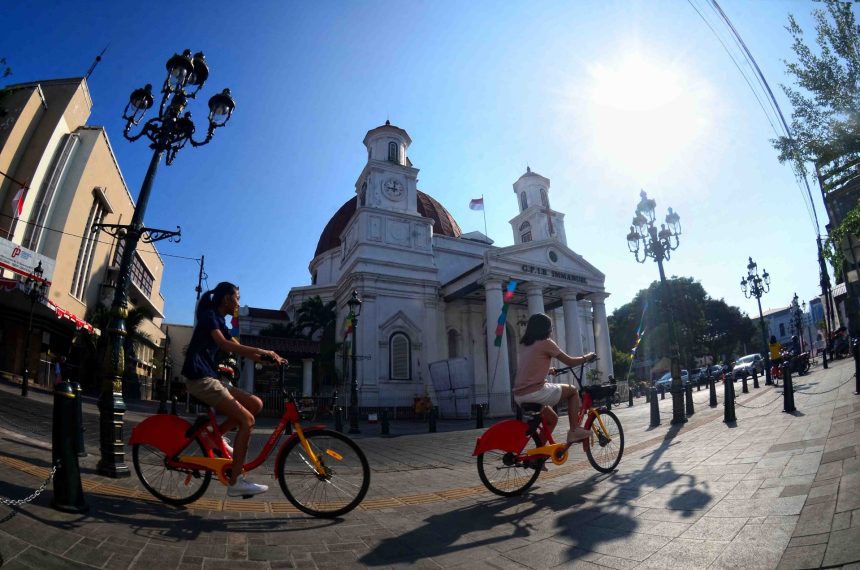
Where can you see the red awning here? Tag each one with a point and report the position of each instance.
(8, 285)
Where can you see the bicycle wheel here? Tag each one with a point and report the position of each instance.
(173, 486)
(604, 449)
(338, 489)
(504, 474)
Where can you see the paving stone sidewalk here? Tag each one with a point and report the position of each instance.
(773, 490)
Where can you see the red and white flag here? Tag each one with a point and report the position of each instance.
(477, 203)
(18, 202)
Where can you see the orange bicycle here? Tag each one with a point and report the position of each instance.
(512, 453)
(321, 472)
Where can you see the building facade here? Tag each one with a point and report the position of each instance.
(72, 182)
(432, 296)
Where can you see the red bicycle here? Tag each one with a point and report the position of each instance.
(321, 472)
(512, 453)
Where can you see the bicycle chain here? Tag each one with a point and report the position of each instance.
(32, 496)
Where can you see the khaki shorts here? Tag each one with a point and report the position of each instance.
(549, 395)
(210, 391)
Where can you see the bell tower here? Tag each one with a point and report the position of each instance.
(536, 220)
(388, 180)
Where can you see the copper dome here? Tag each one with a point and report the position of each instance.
(443, 222)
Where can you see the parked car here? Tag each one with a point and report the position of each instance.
(716, 371)
(697, 375)
(744, 366)
(666, 379)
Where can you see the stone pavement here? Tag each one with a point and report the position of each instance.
(773, 490)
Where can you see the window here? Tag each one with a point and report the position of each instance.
(781, 329)
(362, 195)
(140, 275)
(399, 357)
(392, 152)
(84, 264)
(527, 237)
(524, 203)
(525, 231)
(543, 198)
(453, 343)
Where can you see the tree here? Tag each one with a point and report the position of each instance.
(282, 330)
(318, 321)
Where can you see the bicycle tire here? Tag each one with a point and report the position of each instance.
(524, 475)
(347, 474)
(150, 463)
(609, 451)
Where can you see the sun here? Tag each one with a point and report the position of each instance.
(645, 115)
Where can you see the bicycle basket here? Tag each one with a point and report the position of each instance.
(601, 392)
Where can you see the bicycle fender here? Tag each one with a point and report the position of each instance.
(164, 431)
(283, 448)
(509, 435)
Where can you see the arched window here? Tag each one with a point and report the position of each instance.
(453, 344)
(399, 357)
(392, 152)
(525, 232)
(543, 198)
(524, 203)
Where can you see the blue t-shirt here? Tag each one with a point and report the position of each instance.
(200, 356)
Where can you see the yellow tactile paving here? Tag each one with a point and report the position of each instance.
(246, 506)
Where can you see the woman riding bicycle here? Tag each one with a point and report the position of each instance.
(211, 335)
(531, 386)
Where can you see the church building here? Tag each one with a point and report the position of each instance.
(433, 295)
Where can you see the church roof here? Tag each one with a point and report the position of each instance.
(443, 222)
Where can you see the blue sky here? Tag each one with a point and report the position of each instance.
(602, 97)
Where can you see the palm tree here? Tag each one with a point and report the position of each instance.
(312, 317)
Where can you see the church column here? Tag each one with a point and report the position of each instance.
(601, 337)
(476, 346)
(534, 291)
(498, 374)
(429, 345)
(307, 376)
(572, 332)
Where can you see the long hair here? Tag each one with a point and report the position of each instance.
(538, 328)
(212, 299)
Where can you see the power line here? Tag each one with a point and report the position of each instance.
(50, 229)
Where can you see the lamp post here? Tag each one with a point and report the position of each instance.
(658, 245)
(808, 324)
(797, 320)
(168, 132)
(35, 287)
(354, 304)
(754, 285)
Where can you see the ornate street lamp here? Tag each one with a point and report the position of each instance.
(36, 288)
(658, 245)
(168, 132)
(754, 285)
(807, 321)
(354, 304)
(797, 320)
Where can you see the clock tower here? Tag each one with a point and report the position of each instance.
(536, 220)
(388, 180)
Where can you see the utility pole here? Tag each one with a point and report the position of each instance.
(200, 275)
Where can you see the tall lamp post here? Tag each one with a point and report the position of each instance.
(170, 131)
(36, 288)
(354, 304)
(797, 320)
(807, 321)
(754, 285)
(658, 245)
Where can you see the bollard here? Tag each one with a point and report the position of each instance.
(689, 399)
(698, 386)
(788, 389)
(479, 414)
(824, 357)
(79, 417)
(385, 426)
(655, 410)
(432, 420)
(647, 396)
(68, 492)
(662, 392)
(629, 396)
(729, 401)
(755, 377)
(855, 345)
(338, 419)
(173, 405)
(713, 390)
(745, 389)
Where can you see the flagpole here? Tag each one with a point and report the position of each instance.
(484, 210)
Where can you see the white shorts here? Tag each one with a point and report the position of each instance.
(549, 395)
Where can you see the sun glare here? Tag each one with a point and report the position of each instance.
(644, 114)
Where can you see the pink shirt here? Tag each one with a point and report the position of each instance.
(534, 361)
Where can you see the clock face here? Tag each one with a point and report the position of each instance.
(393, 189)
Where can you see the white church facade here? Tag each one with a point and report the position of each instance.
(431, 293)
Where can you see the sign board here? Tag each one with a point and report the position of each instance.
(23, 261)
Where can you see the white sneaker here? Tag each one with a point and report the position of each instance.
(245, 488)
(227, 445)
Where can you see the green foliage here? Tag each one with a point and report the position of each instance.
(621, 362)
(704, 326)
(282, 330)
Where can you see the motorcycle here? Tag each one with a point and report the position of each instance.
(799, 364)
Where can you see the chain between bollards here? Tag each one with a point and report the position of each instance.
(32, 496)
